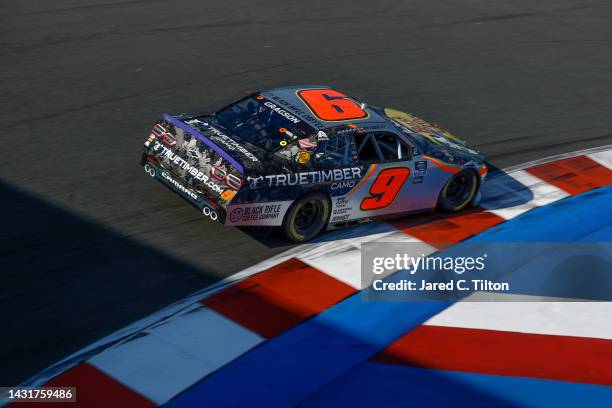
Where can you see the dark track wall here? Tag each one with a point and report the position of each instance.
(83, 81)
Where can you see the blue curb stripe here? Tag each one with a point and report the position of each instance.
(381, 385)
(289, 368)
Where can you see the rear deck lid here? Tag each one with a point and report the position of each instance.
(200, 156)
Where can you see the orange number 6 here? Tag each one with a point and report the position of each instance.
(331, 105)
(385, 188)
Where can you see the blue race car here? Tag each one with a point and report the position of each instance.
(309, 157)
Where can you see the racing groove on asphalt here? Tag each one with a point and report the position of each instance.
(90, 243)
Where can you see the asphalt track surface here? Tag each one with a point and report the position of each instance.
(89, 243)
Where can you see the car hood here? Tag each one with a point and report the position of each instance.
(434, 140)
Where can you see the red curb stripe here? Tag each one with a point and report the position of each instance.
(93, 389)
(574, 175)
(564, 358)
(449, 229)
(277, 299)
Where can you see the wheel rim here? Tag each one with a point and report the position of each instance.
(307, 215)
(459, 189)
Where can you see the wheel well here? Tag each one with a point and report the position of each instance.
(478, 180)
(318, 190)
(476, 175)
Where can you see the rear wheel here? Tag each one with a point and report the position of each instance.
(459, 191)
(307, 217)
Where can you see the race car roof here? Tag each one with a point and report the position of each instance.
(323, 107)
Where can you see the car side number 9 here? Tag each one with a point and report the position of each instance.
(385, 188)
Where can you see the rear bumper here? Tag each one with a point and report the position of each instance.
(208, 207)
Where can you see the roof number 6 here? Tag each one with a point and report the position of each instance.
(330, 105)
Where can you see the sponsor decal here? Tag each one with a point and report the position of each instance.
(419, 125)
(420, 171)
(236, 214)
(342, 210)
(322, 136)
(342, 202)
(352, 128)
(341, 218)
(255, 213)
(302, 157)
(309, 177)
(225, 140)
(183, 164)
(255, 182)
(299, 111)
(343, 184)
(179, 186)
(282, 112)
(349, 130)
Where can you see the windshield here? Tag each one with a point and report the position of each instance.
(263, 123)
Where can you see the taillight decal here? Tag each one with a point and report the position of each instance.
(169, 139)
(158, 130)
(218, 173)
(233, 182)
(228, 195)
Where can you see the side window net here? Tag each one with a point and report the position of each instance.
(335, 151)
(392, 147)
(367, 149)
(381, 147)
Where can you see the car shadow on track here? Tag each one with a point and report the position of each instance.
(66, 282)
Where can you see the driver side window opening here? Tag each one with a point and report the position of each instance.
(381, 147)
(335, 151)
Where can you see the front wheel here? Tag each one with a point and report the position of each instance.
(459, 191)
(307, 217)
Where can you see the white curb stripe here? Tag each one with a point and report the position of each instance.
(342, 259)
(511, 199)
(603, 158)
(578, 319)
(175, 354)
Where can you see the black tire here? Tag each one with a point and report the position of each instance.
(458, 192)
(307, 217)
